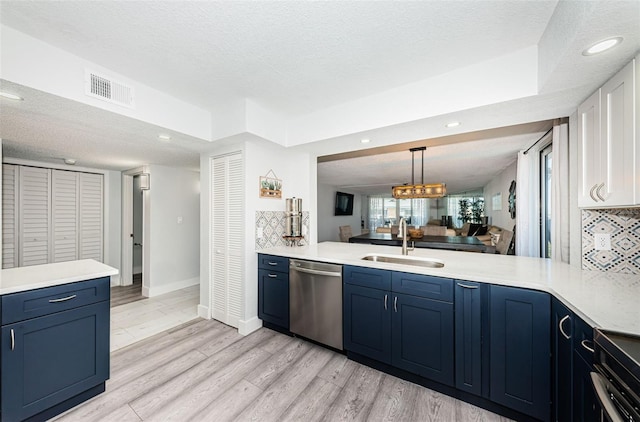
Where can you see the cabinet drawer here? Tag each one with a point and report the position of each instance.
(34, 303)
(437, 288)
(273, 263)
(367, 277)
(583, 339)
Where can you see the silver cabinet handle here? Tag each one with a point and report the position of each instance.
(598, 192)
(385, 302)
(591, 193)
(272, 263)
(395, 304)
(13, 340)
(566, 317)
(272, 275)
(466, 286)
(64, 299)
(584, 344)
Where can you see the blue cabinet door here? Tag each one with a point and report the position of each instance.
(585, 404)
(520, 368)
(422, 337)
(468, 341)
(367, 322)
(561, 344)
(273, 297)
(584, 399)
(49, 359)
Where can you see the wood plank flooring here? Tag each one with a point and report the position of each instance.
(121, 295)
(205, 371)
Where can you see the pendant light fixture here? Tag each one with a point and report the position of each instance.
(432, 190)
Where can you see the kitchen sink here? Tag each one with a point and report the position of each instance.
(405, 260)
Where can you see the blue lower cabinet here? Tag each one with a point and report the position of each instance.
(50, 359)
(273, 297)
(468, 336)
(520, 369)
(422, 337)
(585, 403)
(562, 372)
(367, 322)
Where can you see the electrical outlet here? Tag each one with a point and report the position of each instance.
(179, 220)
(260, 232)
(603, 241)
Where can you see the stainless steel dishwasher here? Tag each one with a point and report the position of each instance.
(315, 299)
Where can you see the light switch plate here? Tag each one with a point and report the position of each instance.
(260, 232)
(602, 241)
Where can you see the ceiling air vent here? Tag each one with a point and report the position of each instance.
(107, 89)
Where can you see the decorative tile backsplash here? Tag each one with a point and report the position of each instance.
(272, 224)
(624, 227)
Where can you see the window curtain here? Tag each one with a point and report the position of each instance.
(560, 192)
(528, 202)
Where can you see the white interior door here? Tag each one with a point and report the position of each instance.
(9, 216)
(65, 203)
(227, 238)
(35, 216)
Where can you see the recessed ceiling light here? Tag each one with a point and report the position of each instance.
(452, 124)
(70, 161)
(365, 141)
(164, 137)
(601, 46)
(10, 96)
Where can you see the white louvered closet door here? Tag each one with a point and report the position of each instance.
(35, 216)
(227, 238)
(91, 223)
(9, 216)
(65, 203)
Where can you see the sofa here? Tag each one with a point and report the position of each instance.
(489, 235)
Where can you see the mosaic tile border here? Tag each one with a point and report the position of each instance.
(272, 224)
(624, 227)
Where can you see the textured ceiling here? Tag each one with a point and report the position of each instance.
(296, 57)
(292, 56)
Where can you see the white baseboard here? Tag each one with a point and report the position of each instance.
(168, 288)
(249, 326)
(203, 312)
(115, 280)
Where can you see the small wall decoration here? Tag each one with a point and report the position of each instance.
(496, 202)
(512, 199)
(270, 186)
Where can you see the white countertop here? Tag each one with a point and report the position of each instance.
(19, 279)
(607, 300)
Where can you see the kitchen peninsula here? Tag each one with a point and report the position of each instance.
(54, 350)
(480, 328)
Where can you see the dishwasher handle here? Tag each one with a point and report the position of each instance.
(318, 272)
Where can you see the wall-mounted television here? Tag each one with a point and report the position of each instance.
(344, 203)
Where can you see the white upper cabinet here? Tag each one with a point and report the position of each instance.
(608, 150)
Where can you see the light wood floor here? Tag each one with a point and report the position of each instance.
(205, 371)
(121, 295)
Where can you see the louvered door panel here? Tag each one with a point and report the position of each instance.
(235, 237)
(227, 234)
(91, 224)
(219, 238)
(9, 215)
(65, 202)
(35, 216)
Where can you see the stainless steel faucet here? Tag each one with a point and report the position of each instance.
(403, 232)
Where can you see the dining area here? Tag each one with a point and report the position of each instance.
(434, 237)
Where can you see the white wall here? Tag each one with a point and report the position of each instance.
(500, 184)
(296, 171)
(174, 257)
(328, 223)
(58, 72)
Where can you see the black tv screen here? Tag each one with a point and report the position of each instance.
(344, 203)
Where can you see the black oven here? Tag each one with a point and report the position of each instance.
(617, 377)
